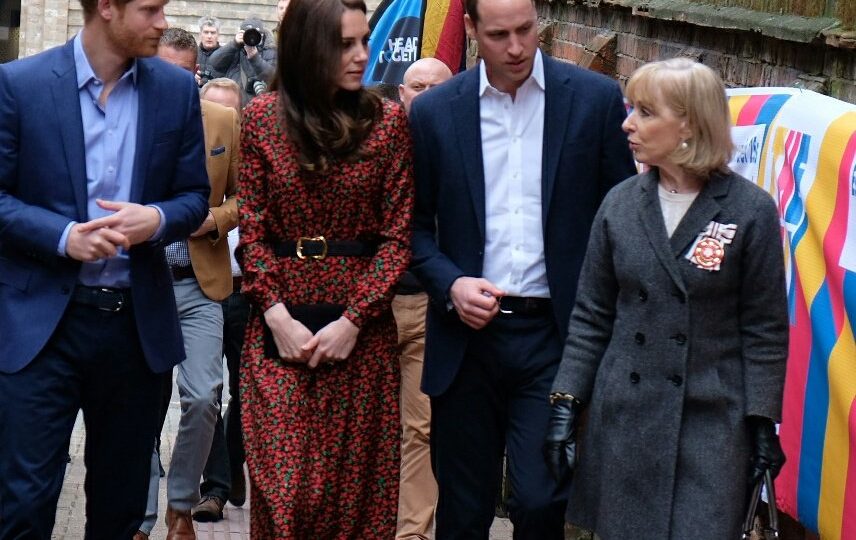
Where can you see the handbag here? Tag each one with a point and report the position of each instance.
(313, 316)
(771, 530)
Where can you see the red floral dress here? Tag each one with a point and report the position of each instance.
(323, 445)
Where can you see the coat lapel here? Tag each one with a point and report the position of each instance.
(67, 102)
(558, 95)
(703, 210)
(651, 215)
(467, 121)
(147, 113)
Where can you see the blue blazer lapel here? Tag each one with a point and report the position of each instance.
(558, 95)
(147, 89)
(467, 121)
(67, 102)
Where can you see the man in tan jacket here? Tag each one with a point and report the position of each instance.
(202, 277)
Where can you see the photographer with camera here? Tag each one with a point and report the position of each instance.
(249, 59)
(209, 41)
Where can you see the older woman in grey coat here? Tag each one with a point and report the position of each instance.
(678, 339)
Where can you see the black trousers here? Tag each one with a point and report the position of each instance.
(94, 362)
(498, 402)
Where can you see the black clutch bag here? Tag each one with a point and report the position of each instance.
(312, 316)
(771, 530)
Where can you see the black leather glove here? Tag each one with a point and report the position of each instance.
(766, 449)
(560, 446)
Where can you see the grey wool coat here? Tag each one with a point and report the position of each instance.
(670, 358)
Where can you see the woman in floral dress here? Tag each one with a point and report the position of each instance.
(325, 204)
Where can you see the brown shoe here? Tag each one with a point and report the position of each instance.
(209, 509)
(140, 535)
(179, 525)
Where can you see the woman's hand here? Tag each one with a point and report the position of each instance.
(290, 336)
(333, 343)
(560, 445)
(767, 452)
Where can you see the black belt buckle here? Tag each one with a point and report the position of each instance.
(523, 305)
(120, 303)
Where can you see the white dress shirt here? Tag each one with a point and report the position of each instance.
(512, 136)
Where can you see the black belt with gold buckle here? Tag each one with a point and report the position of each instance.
(103, 298)
(318, 247)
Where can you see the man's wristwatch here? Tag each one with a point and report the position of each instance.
(561, 396)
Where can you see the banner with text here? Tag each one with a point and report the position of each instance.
(800, 146)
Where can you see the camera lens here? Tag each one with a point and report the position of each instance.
(252, 37)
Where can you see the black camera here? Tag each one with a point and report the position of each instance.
(256, 87)
(205, 76)
(252, 37)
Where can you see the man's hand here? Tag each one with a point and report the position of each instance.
(207, 226)
(136, 222)
(239, 38)
(90, 246)
(251, 51)
(290, 336)
(333, 343)
(476, 300)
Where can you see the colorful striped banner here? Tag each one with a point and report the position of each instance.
(808, 162)
(402, 31)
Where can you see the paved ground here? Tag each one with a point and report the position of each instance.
(235, 526)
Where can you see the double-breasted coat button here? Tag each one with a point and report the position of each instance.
(677, 380)
(643, 295)
(639, 338)
(680, 339)
(634, 377)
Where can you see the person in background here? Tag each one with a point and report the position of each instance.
(418, 488)
(325, 202)
(512, 160)
(281, 6)
(678, 338)
(201, 279)
(223, 91)
(209, 41)
(96, 176)
(223, 477)
(250, 66)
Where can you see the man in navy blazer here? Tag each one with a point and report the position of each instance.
(512, 159)
(102, 163)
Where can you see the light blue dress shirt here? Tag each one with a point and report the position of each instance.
(110, 139)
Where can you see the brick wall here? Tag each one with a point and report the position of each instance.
(614, 40)
(47, 23)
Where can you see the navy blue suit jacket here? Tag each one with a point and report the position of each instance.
(585, 154)
(43, 187)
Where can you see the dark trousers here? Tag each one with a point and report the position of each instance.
(94, 362)
(226, 459)
(498, 402)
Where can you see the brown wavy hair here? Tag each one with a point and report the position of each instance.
(325, 122)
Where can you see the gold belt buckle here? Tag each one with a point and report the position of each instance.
(302, 239)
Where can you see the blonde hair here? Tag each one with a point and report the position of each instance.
(220, 82)
(695, 94)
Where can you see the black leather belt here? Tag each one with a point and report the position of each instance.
(182, 272)
(103, 298)
(318, 247)
(525, 305)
